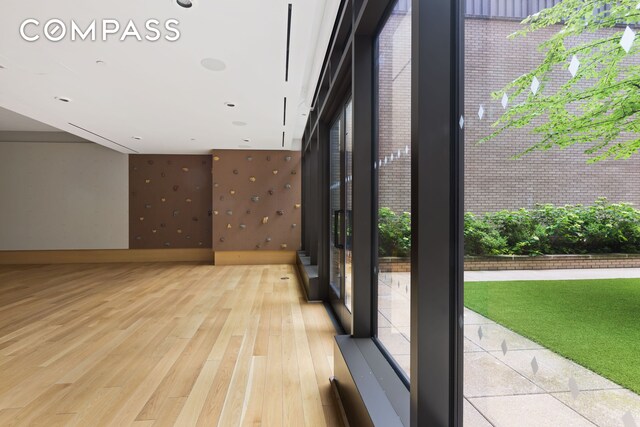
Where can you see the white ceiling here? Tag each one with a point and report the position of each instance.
(14, 122)
(159, 91)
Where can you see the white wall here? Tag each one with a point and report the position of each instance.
(63, 196)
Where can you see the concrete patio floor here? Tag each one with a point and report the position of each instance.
(568, 274)
(508, 379)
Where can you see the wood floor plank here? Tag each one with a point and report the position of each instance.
(235, 399)
(196, 400)
(252, 411)
(162, 345)
(272, 414)
(128, 412)
(215, 399)
(292, 390)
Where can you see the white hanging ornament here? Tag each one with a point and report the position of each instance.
(535, 85)
(505, 101)
(627, 39)
(574, 65)
(481, 112)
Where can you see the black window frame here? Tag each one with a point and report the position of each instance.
(435, 392)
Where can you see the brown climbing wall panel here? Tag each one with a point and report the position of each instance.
(169, 201)
(256, 199)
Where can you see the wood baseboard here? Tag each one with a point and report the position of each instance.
(105, 256)
(254, 257)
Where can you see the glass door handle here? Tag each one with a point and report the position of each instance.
(348, 220)
(336, 233)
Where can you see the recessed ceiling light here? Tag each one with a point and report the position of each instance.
(185, 3)
(230, 104)
(137, 138)
(2, 67)
(246, 140)
(62, 99)
(100, 62)
(213, 64)
(240, 123)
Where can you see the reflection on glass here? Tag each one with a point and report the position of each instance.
(393, 171)
(543, 348)
(348, 186)
(335, 201)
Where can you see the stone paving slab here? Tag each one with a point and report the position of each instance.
(473, 418)
(619, 407)
(538, 410)
(493, 337)
(486, 376)
(553, 372)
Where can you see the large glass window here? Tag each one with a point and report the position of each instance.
(551, 326)
(393, 172)
(336, 266)
(348, 190)
(341, 207)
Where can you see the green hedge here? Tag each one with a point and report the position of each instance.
(547, 229)
(394, 236)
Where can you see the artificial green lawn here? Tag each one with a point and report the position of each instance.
(595, 323)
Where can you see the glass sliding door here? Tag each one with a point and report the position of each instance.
(561, 346)
(392, 79)
(336, 245)
(340, 217)
(348, 189)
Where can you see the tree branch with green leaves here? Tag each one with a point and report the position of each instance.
(598, 105)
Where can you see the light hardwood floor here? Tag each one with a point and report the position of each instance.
(161, 345)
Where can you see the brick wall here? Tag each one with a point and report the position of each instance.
(547, 262)
(493, 180)
(394, 112)
(553, 262)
